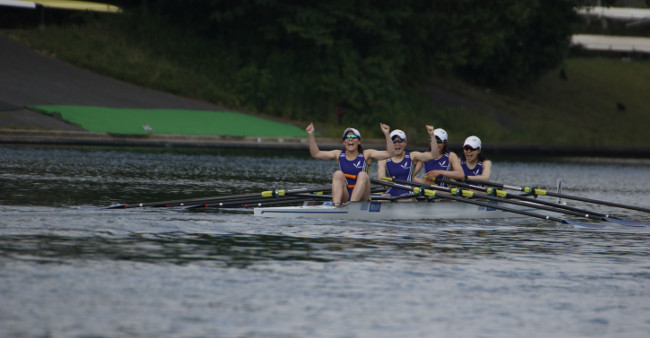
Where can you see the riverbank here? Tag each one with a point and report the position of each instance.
(82, 138)
(72, 101)
(34, 79)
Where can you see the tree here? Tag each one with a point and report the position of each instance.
(305, 58)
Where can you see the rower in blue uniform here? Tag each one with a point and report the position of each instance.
(404, 165)
(475, 165)
(351, 169)
(445, 164)
(351, 182)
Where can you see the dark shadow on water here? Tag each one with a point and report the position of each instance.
(243, 250)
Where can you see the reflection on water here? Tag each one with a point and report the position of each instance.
(69, 268)
(54, 176)
(242, 250)
(89, 176)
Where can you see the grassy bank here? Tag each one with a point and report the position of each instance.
(602, 101)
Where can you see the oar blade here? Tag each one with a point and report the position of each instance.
(625, 221)
(583, 225)
(116, 206)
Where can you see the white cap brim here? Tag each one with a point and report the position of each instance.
(399, 133)
(441, 134)
(356, 132)
(473, 142)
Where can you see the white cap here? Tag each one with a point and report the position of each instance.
(441, 134)
(473, 142)
(398, 132)
(356, 132)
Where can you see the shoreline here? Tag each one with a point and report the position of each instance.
(84, 138)
(34, 79)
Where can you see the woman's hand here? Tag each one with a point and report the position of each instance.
(385, 128)
(430, 129)
(310, 129)
(431, 175)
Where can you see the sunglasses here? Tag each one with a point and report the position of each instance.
(350, 136)
(468, 148)
(439, 141)
(399, 141)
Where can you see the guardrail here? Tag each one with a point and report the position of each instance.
(612, 43)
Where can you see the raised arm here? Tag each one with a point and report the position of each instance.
(390, 146)
(422, 157)
(315, 151)
(433, 144)
(456, 172)
(382, 154)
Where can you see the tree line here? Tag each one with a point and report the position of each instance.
(306, 59)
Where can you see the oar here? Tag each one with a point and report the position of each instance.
(277, 195)
(415, 187)
(288, 200)
(217, 199)
(565, 208)
(542, 192)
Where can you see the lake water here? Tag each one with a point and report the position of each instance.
(69, 268)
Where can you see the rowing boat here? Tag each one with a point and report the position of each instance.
(447, 203)
(374, 210)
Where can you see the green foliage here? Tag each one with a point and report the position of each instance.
(500, 43)
(306, 59)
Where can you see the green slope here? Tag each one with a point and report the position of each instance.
(169, 121)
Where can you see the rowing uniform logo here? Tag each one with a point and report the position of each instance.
(440, 164)
(477, 171)
(353, 168)
(402, 170)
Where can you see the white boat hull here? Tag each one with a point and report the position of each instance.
(392, 210)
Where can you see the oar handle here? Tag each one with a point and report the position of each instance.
(216, 199)
(494, 184)
(501, 193)
(543, 192)
(451, 196)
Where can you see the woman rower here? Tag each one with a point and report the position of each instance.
(475, 165)
(404, 165)
(351, 182)
(445, 164)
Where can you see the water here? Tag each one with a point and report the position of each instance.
(69, 268)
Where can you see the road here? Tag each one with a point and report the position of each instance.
(29, 78)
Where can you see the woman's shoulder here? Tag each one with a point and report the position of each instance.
(418, 156)
(397, 159)
(368, 153)
(337, 153)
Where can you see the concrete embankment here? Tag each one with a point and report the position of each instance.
(81, 138)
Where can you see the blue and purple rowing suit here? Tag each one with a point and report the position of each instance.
(440, 164)
(353, 167)
(478, 169)
(402, 170)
